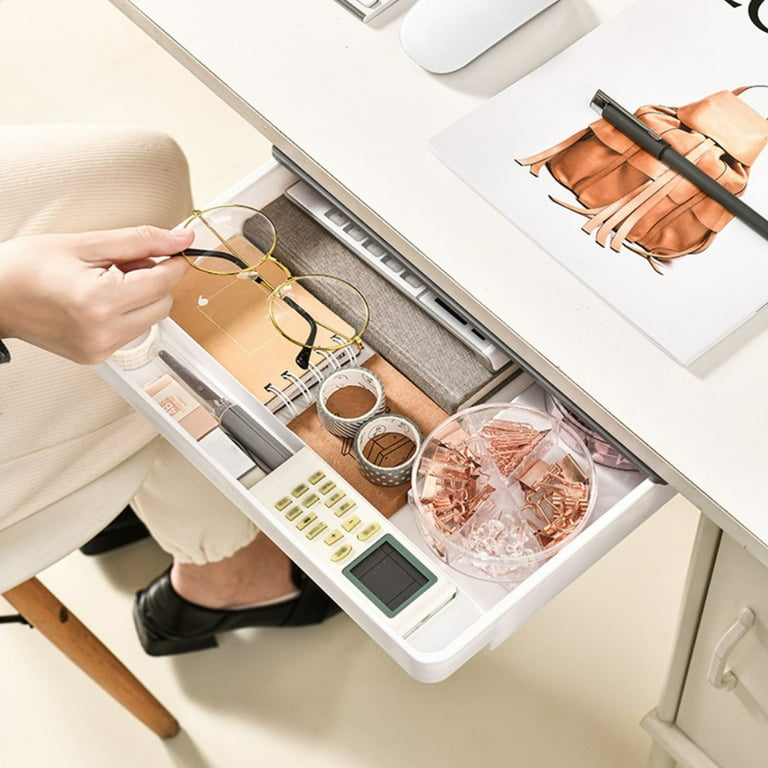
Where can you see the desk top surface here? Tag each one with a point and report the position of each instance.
(342, 98)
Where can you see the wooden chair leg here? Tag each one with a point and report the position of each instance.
(44, 611)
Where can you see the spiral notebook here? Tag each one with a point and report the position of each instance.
(229, 318)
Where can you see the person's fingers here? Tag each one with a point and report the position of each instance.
(139, 288)
(136, 322)
(128, 266)
(117, 246)
(102, 340)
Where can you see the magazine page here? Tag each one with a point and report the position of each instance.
(650, 244)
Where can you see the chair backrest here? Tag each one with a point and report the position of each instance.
(32, 544)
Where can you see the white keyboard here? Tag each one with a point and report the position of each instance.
(392, 267)
(367, 9)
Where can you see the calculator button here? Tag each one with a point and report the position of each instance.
(327, 487)
(293, 512)
(334, 497)
(334, 536)
(306, 520)
(341, 553)
(283, 503)
(316, 530)
(316, 477)
(299, 490)
(311, 500)
(347, 506)
(368, 531)
(353, 522)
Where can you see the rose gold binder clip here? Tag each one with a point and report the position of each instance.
(454, 487)
(510, 442)
(557, 498)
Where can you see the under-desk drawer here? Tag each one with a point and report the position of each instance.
(482, 614)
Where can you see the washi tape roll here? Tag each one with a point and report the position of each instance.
(385, 448)
(138, 352)
(348, 398)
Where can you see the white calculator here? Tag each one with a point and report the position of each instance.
(353, 543)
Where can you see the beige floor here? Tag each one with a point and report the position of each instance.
(567, 691)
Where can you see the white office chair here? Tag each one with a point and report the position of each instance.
(33, 544)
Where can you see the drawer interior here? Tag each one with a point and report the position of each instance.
(483, 613)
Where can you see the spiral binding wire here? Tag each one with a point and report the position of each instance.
(304, 387)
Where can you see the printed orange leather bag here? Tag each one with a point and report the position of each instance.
(632, 199)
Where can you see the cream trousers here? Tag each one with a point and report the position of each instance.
(61, 427)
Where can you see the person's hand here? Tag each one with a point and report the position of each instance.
(85, 295)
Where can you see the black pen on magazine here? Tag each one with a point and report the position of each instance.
(646, 138)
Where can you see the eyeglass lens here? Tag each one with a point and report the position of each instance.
(315, 312)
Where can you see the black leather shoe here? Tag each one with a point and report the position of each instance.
(168, 624)
(124, 529)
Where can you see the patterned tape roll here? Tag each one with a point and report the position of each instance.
(348, 398)
(385, 448)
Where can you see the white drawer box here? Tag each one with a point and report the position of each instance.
(724, 710)
(483, 614)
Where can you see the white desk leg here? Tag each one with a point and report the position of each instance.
(660, 723)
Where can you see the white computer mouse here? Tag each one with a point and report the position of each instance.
(445, 35)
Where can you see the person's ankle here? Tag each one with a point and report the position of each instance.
(219, 589)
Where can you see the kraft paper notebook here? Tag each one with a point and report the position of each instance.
(229, 318)
(656, 52)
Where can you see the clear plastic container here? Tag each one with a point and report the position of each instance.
(499, 488)
(599, 448)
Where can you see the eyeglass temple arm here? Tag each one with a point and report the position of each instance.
(239, 263)
(302, 359)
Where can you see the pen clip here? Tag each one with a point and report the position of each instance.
(601, 100)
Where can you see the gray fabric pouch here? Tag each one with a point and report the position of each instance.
(400, 331)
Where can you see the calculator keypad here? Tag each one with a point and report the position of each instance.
(328, 514)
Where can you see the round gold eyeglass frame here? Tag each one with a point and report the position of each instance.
(250, 272)
(357, 337)
(267, 255)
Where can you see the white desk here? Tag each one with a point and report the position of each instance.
(343, 100)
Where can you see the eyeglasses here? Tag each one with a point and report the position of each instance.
(314, 312)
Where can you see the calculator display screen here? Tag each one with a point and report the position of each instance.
(389, 575)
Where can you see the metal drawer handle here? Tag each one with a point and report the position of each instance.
(717, 676)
